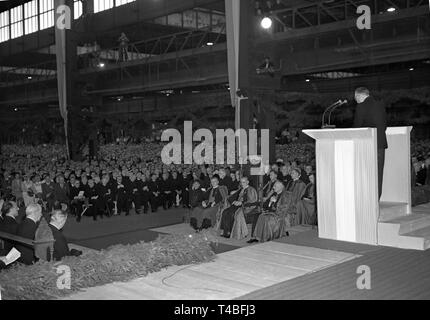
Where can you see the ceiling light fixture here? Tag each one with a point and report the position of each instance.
(266, 23)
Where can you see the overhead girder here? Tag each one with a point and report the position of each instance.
(115, 19)
(393, 38)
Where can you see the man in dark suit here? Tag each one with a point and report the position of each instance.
(27, 229)
(61, 190)
(77, 197)
(225, 180)
(143, 191)
(166, 191)
(120, 194)
(48, 194)
(371, 113)
(61, 248)
(9, 224)
(176, 182)
(93, 198)
(133, 195)
(154, 196)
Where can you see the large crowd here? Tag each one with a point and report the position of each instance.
(131, 179)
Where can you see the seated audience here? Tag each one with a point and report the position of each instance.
(137, 178)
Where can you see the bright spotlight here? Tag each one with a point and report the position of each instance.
(411, 69)
(210, 44)
(101, 65)
(29, 77)
(391, 9)
(266, 23)
(308, 80)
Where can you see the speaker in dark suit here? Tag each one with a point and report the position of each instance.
(371, 114)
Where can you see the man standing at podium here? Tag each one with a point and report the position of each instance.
(371, 114)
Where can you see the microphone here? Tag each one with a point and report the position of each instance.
(334, 105)
(331, 111)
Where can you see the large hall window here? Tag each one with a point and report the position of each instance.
(46, 9)
(101, 5)
(16, 25)
(4, 26)
(77, 9)
(30, 17)
(121, 2)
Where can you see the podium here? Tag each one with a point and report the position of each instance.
(347, 180)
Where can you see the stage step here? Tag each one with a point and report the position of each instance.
(392, 210)
(407, 231)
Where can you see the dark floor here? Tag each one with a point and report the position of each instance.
(131, 229)
(394, 274)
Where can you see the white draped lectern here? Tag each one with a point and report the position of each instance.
(347, 180)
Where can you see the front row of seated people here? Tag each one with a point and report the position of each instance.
(284, 204)
(28, 228)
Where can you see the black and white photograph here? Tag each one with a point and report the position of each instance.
(214, 156)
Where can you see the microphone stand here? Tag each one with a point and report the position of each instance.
(329, 126)
(334, 105)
